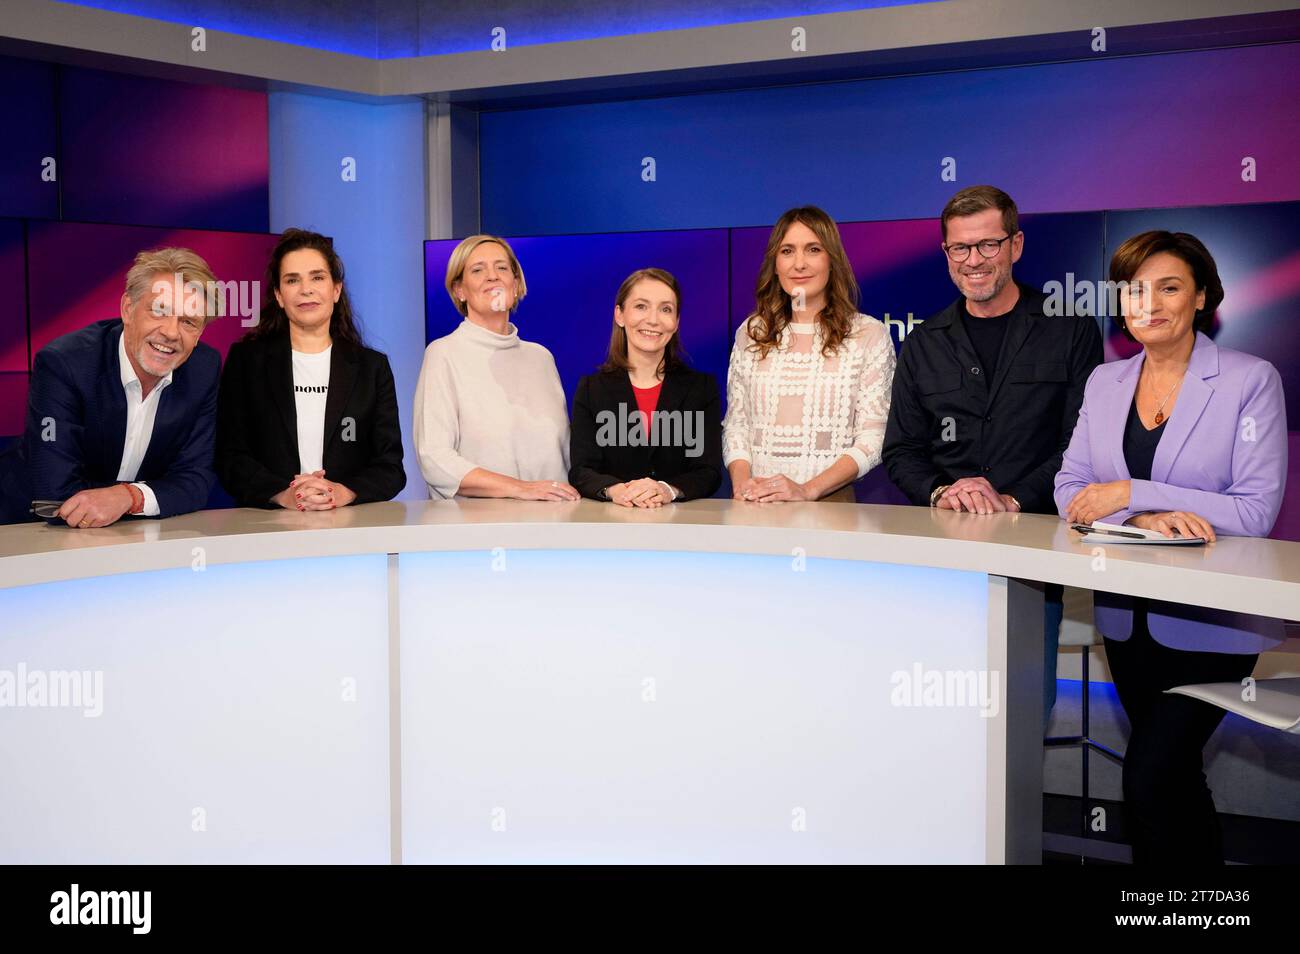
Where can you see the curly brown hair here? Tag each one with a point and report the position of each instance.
(773, 309)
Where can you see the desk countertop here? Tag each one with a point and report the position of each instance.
(1239, 573)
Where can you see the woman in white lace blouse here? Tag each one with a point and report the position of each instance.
(809, 381)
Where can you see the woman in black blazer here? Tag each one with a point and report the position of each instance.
(306, 414)
(646, 429)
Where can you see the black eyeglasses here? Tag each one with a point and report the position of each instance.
(989, 248)
(45, 509)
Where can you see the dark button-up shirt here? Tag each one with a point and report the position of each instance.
(948, 419)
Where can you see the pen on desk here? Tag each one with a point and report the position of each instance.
(1084, 528)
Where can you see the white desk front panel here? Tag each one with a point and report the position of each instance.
(227, 730)
(620, 706)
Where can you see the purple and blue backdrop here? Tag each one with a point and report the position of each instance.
(572, 280)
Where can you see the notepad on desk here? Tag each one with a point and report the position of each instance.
(1099, 532)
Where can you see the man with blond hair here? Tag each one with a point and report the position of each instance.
(121, 414)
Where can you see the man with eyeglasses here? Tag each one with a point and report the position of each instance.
(986, 392)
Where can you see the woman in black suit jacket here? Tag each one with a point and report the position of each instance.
(646, 429)
(306, 414)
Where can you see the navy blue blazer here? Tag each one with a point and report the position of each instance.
(76, 396)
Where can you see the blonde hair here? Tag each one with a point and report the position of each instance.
(186, 263)
(456, 269)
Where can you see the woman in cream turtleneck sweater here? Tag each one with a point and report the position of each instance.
(490, 414)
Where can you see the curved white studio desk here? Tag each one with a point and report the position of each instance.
(508, 681)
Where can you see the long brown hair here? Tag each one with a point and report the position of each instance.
(674, 353)
(773, 310)
(273, 321)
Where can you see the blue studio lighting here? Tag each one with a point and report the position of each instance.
(386, 29)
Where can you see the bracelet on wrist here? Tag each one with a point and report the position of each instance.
(137, 498)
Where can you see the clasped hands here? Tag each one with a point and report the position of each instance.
(976, 495)
(772, 490)
(643, 492)
(313, 492)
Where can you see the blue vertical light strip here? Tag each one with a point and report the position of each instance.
(376, 221)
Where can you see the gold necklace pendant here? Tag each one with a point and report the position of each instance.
(1160, 418)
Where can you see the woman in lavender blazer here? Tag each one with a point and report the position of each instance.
(1186, 438)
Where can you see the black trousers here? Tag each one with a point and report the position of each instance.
(1168, 806)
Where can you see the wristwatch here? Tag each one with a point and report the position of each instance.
(934, 494)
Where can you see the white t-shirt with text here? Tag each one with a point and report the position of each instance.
(311, 380)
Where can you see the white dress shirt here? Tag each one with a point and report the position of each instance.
(139, 426)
